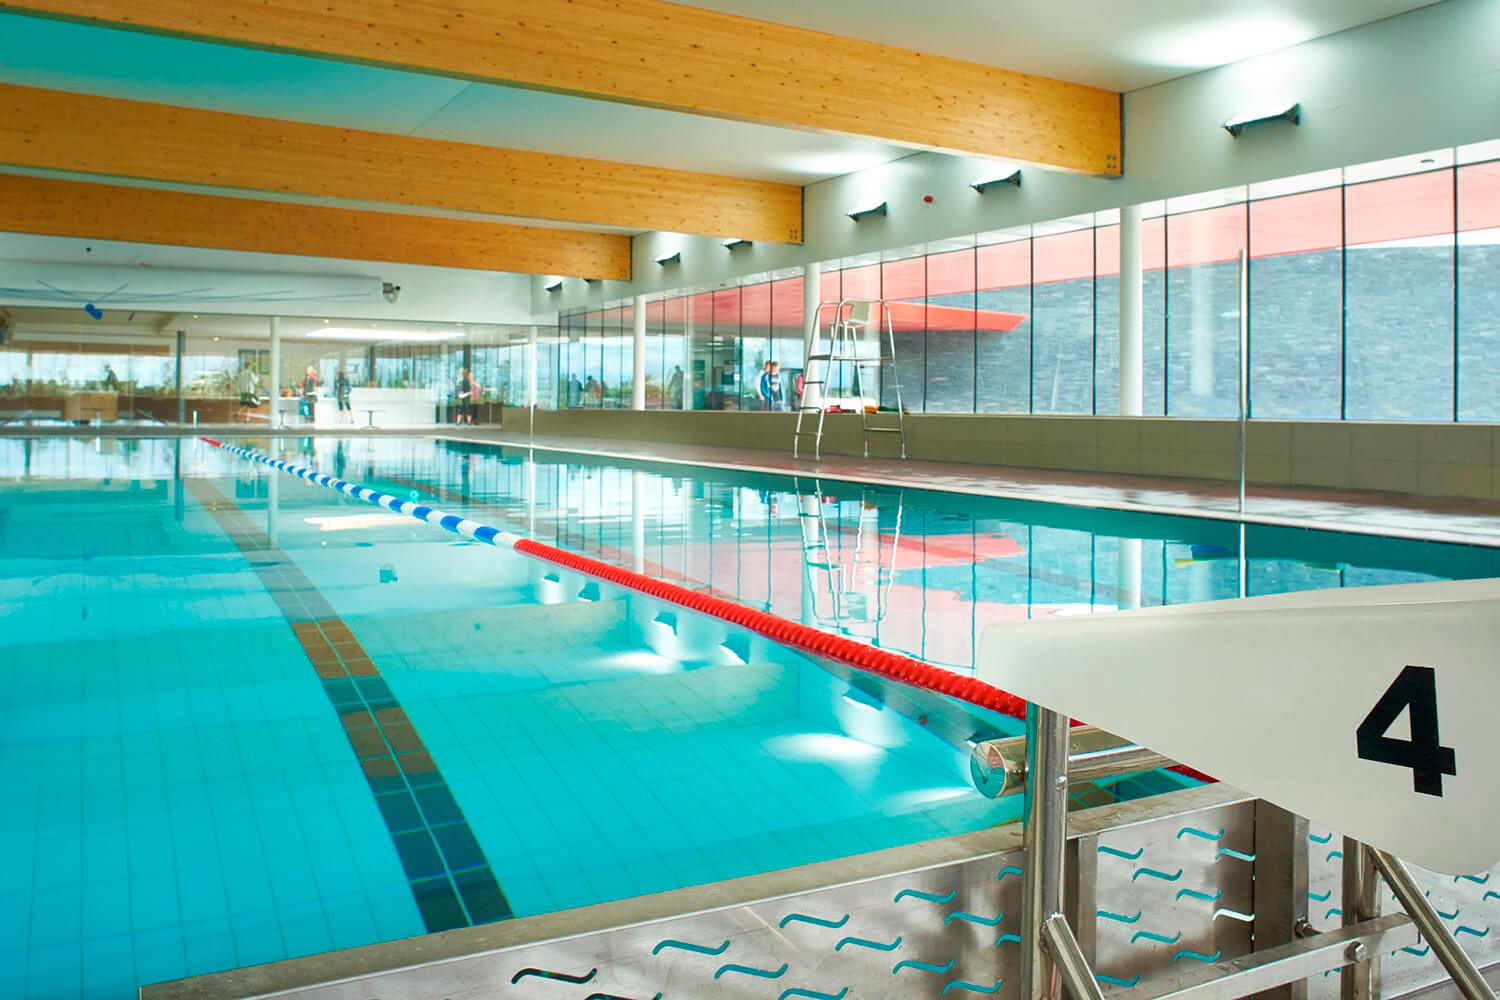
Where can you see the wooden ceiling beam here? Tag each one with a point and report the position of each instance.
(666, 55)
(57, 130)
(47, 207)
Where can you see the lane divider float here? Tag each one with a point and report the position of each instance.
(881, 662)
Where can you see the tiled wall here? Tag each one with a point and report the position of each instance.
(1435, 460)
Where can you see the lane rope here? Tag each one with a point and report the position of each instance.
(882, 662)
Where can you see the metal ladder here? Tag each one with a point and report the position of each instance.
(847, 586)
(847, 320)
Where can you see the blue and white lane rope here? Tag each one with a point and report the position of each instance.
(422, 512)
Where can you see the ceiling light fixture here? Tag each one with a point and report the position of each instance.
(1013, 179)
(733, 245)
(1291, 113)
(675, 257)
(555, 286)
(861, 214)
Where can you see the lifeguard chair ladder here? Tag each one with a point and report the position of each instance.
(847, 322)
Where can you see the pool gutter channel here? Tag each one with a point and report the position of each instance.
(484, 948)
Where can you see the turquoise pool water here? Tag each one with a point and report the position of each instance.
(242, 718)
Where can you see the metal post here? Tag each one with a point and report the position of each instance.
(1361, 901)
(273, 380)
(1044, 843)
(1067, 957)
(638, 359)
(1244, 334)
(1460, 966)
(812, 291)
(1280, 886)
(181, 401)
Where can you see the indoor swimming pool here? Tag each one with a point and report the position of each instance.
(244, 718)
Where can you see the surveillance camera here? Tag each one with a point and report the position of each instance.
(390, 291)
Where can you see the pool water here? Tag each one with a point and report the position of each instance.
(243, 718)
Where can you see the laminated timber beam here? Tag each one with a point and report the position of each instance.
(47, 207)
(55, 130)
(665, 55)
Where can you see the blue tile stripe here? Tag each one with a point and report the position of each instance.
(450, 877)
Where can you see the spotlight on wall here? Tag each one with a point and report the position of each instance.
(675, 257)
(390, 291)
(1013, 179)
(1292, 113)
(861, 214)
(555, 286)
(733, 245)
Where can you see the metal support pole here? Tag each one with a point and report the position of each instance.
(1460, 966)
(181, 400)
(273, 378)
(1072, 968)
(1361, 901)
(999, 767)
(1044, 843)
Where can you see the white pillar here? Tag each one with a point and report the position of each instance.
(1132, 277)
(273, 383)
(812, 395)
(638, 376)
(1128, 573)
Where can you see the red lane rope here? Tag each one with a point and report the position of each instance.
(856, 654)
(883, 662)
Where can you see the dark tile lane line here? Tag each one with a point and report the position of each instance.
(450, 877)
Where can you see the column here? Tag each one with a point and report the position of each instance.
(638, 359)
(273, 382)
(181, 400)
(1131, 280)
(812, 395)
(1128, 573)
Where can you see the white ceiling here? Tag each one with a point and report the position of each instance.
(1117, 44)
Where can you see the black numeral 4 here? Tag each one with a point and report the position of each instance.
(1414, 688)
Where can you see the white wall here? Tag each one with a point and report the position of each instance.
(1423, 80)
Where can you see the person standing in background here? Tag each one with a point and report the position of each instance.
(341, 391)
(468, 397)
(309, 389)
(248, 385)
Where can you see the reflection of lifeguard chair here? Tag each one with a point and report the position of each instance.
(861, 339)
(850, 588)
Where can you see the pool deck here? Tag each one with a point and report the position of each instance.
(1473, 522)
(1395, 515)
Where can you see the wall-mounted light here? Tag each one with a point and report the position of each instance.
(555, 286)
(861, 214)
(733, 245)
(1292, 113)
(675, 257)
(1013, 179)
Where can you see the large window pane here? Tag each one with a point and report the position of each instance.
(1399, 288)
(786, 333)
(1062, 305)
(724, 388)
(1203, 305)
(950, 332)
(700, 332)
(755, 342)
(903, 284)
(1296, 305)
(1107, 319)
(1003, 280)
(1479, 292)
